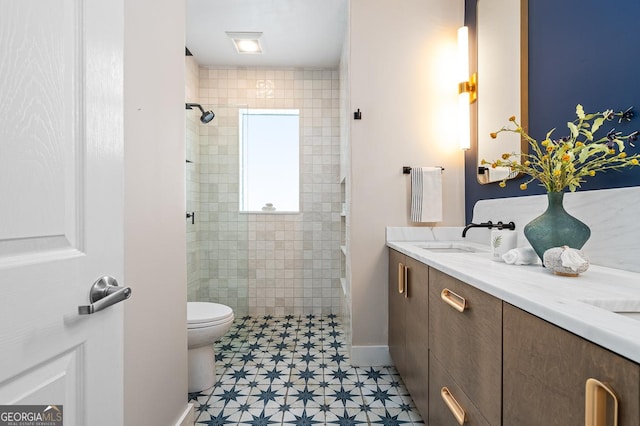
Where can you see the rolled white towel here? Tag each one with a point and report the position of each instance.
(520, 256)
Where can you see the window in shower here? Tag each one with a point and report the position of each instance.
(269, 160)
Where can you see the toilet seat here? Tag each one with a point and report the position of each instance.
(204, 314)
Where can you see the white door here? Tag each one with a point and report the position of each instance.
(61, 195)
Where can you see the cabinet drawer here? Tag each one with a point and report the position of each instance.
(546, 369)
(468, 343)
(441, 413)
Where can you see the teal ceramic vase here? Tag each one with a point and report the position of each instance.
(556, 228)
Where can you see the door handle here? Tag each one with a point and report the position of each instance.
(104, 293)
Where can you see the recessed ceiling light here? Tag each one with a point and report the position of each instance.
(246, 43)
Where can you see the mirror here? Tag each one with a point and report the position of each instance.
(502, 49)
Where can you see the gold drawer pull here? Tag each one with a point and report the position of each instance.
(596, 403)
(400, 278)
(452, 404)
(454, 300)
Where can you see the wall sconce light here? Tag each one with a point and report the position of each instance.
(467, 89)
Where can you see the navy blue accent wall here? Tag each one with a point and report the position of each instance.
(580, 51)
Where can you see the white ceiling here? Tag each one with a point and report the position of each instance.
(296, 33)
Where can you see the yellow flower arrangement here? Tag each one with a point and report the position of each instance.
(566, 162)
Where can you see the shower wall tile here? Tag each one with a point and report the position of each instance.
(271, 264)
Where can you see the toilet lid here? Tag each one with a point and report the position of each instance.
(199, 313)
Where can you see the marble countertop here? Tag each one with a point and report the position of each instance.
(585, 305)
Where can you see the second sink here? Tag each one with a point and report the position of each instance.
(452, 247)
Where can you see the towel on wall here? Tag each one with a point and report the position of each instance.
(426, 194)
(499, 173)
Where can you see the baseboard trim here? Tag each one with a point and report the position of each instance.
(370, 356)
(187, 419)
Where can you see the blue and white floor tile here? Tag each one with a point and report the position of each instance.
(295, 370)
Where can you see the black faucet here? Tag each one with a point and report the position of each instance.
(489, 225)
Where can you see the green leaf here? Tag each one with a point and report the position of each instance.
(573, 128)
(550, 132)
(580, 112)
(587, 134)
(588, 151)
(574, 184)
(596, 124)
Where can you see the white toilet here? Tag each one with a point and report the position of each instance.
(206, 323)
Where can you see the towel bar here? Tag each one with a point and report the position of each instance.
(407, 170)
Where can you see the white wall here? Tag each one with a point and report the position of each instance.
(345, 179)
(155, 364)
(402, 79)
(192, 173)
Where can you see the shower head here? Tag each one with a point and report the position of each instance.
(206, 116)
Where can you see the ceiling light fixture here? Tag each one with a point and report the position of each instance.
(246, 43)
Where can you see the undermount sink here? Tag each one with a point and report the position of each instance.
(452, 247)
(632, 315)
(629, 309)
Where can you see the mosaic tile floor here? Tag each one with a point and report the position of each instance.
(295, 370)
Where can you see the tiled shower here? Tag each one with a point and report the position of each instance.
(264, 263)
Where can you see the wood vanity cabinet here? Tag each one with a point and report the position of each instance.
(465, 339)
(408, 325)
(545, 373)
(469, 358)
(448, 398)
